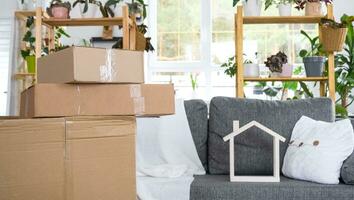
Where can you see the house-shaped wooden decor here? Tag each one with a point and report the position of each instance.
(276, 138)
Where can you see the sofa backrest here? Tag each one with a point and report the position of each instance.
(197, 115)
(253, 149)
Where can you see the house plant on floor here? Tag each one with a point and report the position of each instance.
(250, 7)
(312, 7)
(284, 6)
(59, 9)
(88, 8)
(333, 33)
(28, 53)
(278, 65)
(345, 73)
(313, 60)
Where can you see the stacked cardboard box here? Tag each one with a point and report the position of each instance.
(88, 153)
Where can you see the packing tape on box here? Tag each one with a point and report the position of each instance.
(79, 100)
(139, 101)
(108, 71)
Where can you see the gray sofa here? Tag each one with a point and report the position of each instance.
(254, 149)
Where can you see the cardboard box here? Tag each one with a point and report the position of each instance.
(68, 159)
(59, 100)
(91, 65)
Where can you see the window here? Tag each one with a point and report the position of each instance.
(192, 38)
(5, 28)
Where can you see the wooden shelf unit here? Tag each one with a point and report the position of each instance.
(42, 19)
(241, 20)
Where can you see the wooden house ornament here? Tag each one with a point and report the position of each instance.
(276, 138)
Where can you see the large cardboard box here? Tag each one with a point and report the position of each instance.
(68, 159)
(91, 65)
(59, 100)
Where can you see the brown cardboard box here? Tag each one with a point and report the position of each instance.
(91, 65)
(59, 100)
(68, 159)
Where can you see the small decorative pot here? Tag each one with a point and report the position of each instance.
(252, 7)
(284, 9)
(313, 9)
(91, 11)
(251, 70)
(287, 70)
(314, 66)
(333, 38)
(275, 74)
(58, 12)
(31, 64)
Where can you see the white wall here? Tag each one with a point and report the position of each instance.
(343, 7)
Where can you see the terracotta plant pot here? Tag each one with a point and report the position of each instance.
(58, 12)
(313, 9)
(333, 38)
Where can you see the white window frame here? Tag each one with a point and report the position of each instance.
(204, 65)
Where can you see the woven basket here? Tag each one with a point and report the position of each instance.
(140, 42)
(333, 38)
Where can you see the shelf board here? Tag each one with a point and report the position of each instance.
(23, 14)
(24, 75)
(84, 21)
(286, 79)
(282, 20)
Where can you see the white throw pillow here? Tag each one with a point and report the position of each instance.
(317, 150)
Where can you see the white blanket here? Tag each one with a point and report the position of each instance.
(166, 157)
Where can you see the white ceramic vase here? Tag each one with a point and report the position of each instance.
(118, 9)
(250, 70)
(287, 70)
(91, 11)
(284, 9)
(252, 7)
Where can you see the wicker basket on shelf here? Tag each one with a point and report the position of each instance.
(333, 38)
(140, 41)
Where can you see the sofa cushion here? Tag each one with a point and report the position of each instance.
(254, 149)
(214, 187)
(347, 171)
(197, 115)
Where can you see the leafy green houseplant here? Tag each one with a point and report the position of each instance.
(28, 54)
(345, 73)
(59, 9)
(313, 60)
(250, 69)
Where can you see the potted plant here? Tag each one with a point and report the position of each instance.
(344, 72)
(59, 9)
(333, 33)
(250, 7)
(312, 7)
(250, 69)
(313, 61)
(276, 62)
(88, 7)
(28, 53)
(284, 6)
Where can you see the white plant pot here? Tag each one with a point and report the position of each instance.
(284, 9)
(252, 7)
(250, 70)
(118, 9)
(91, 11)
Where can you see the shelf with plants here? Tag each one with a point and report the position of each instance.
(275, 63)
(128, 17)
